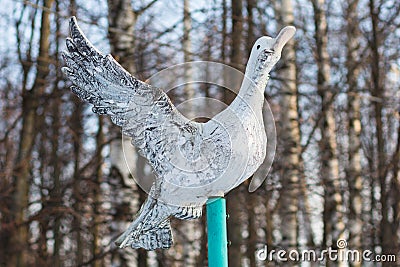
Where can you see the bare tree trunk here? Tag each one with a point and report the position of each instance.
(122, 21)
(237, 34)
(333, 203)
(97, 199)
(250, 25)
(236, 57)
(251, 201)
(234, 223)
(395, 188)
(202, 258)
(372, 234)
(268, 218)
(353, 172)
(57, 194)
(378, 89)
(43, 222)
(224, 31)
(290, 137)
(306, 209)
(21, 172)
(187, 48)
(57, 190)
(140, 165)
(76, 124)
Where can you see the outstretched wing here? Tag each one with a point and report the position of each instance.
(145, 113)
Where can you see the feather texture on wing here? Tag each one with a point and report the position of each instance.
(144, 113)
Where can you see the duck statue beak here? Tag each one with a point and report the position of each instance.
(283, 37)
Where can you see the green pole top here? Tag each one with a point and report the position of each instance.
(216, 232)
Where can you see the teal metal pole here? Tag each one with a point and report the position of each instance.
(216, 232)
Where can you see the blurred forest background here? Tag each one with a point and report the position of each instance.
(65, 194)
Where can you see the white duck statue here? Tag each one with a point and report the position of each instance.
(192, 161)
